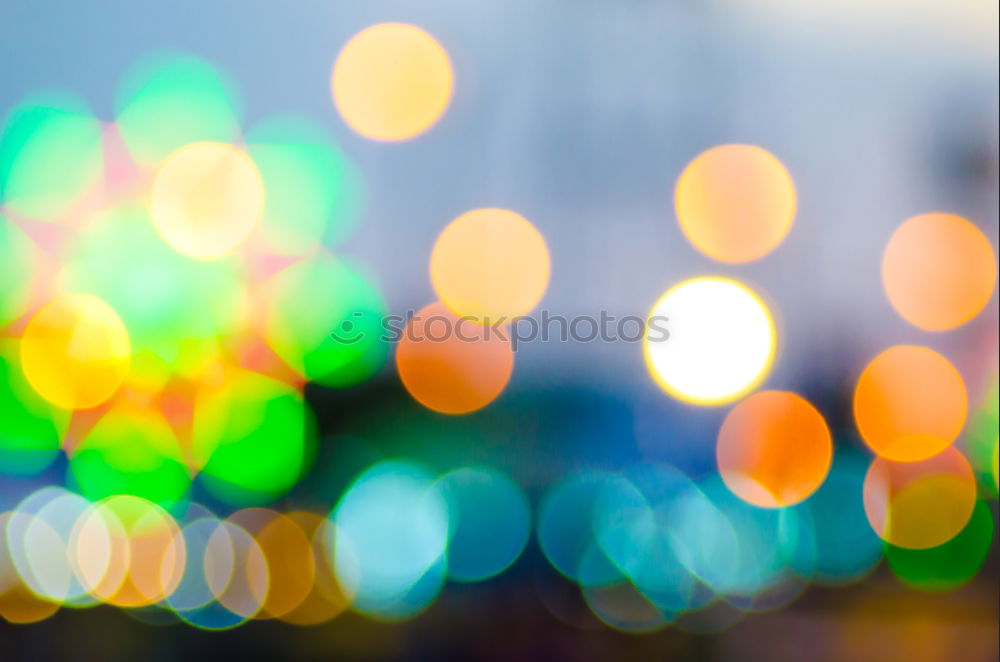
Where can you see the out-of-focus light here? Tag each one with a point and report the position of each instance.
(566, 531)
(490, 264)
(939, 271)
(735, 203)
(18, 604)
(99, 551)
(45, 558)
(168, 101)
(36, 549)
(50, 156)
(762, 559)
(326, 598)
(225, 580)
(909, 403)
(391, 540)
(154, 551)
(131, 450)
(236, 570)
(75, 351)
(490, 522)
(193, 591)
(451, 365)
(31, 428)
(950, 565)
(324, 319)
(919, 505)
(979, 442)
(623, 607)
(704, 539)
(843, 547)
(719, 341)
(289, 557)
(251, 436)
(313, 192)
(391, 81)
(206, 199)
(634, 526)
(18, 270)
(170, 304)
(774, 449)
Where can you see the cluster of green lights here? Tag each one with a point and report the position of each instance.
(213, 390)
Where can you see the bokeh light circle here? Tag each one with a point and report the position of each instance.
(236, 570)
(252, 437)
(31, 427)
(450, 365)
(490, 264)
(566, 531)
(324, 319)
(131, 450)
(947, 566)
(51, 156)
(288, 554)
(314, 193)
(36, 547)
(939, 271)
(391, 539)
(843, 548)
(391, 81)
(155, 551)
(206, 199)
(719, 341)
(490, 521)
(909, 403)
(919, 505)
(168, 100)
(75, 351)
(735, 203)
(326, 597)
(634, 527)
(774, 449)
(18, 603)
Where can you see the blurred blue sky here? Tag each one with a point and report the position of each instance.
(580, 114)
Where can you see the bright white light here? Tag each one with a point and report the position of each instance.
(721, 341)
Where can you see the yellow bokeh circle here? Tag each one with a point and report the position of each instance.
(491, 265)
(735, 203)
(391, 81)
(75, 351)
(919, 505)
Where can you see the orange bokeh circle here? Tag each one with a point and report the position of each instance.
(909, 403)
(453, 365)
(938, 271)
(774, 449)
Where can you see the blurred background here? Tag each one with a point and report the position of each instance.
(200, 201)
